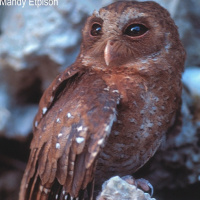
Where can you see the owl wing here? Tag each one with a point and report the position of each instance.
(75, 118)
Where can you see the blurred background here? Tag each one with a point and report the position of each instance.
(37, 43)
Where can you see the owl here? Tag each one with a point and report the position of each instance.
(107, 113)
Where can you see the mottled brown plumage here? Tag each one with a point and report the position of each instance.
(107, 113)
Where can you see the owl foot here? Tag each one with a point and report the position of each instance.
(141, 183)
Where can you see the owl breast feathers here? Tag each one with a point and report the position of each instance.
(108, 112)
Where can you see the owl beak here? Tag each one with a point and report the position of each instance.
(109, 53)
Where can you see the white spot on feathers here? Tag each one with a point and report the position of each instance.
(94, 154)
(57, 145)
(69, 115)
(79, 140)
(36, 123)
(106, 89)
(41, 188)
(80, 128)
(149, 124)
(58, 120)
(100, 142)
(51, 99)
(115, 91)
(44, 110)
(46, 191)
(142, 127)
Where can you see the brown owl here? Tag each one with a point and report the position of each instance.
(108, 112)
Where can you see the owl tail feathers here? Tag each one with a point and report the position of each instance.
(54, 191)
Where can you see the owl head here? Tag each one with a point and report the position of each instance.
(125, 33)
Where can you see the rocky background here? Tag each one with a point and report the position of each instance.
(38, 43)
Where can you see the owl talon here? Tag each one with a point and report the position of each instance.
(141, 183)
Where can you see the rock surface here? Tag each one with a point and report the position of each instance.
(118, 189)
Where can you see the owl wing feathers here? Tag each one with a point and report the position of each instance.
(68, 140)
(53, 91)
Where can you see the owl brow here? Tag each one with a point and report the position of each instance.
(128, 13)
(96, 19)
(139, 20)
(132, 20)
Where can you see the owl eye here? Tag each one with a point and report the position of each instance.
(96, 30)
(135, 30)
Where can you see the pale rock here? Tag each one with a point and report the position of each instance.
(117, 189)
